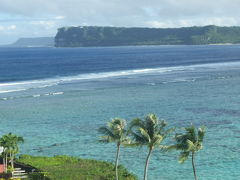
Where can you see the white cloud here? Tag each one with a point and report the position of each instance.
(160, 24)
(7, 28)
(44, 23)
(125, 12)
(60, 17)
(12, 27)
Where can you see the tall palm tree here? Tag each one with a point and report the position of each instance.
(189, 143)
(116, 132)
(14, 141)
(10, 144)
(149, 132)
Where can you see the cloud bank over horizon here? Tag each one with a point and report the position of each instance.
(37, 18)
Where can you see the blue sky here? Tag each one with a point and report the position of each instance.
(39, 18)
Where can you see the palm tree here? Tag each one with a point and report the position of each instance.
(149, 132)
(4, 142)
(116, 132)
(10, 144)
(14, 141)
(189, 143)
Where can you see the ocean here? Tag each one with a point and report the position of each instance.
(57, 98)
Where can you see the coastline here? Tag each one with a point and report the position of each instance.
(115, 46)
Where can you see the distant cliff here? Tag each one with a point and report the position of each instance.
(34, 42)
(117, 36)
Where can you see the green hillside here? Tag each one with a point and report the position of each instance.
(119, 36)
(70, 168)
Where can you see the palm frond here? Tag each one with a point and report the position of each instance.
(179, 147)
(151, 122)
(188, 142)
(106, 131)
(137, 122)
(139, 138)
(191, 146)
(114, 131)
(105, 139)
(191, 133)
(164, 148)
(125, 140)
(183, 157)
(181, 139)
(144, 134)
(199, 146)
(201, 133)
(171, 147)
(119, 121)
(150, 131)
(157, 139)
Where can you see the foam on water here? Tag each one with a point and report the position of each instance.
(34, 96)
(11, 90)
(58, 93)
(37, 95)
(43, 83)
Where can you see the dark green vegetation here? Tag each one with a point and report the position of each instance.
(119, 36)
(70, 168)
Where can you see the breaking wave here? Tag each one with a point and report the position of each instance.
(43, 83)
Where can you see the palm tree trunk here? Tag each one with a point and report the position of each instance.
(12, 159)
(147, 162)
(6, 164)
(193, 165)
(117, 158)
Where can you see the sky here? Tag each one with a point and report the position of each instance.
(42, 18)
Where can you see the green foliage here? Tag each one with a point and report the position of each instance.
(37, 176)
(189, 142)
(115, 131)
(150, 132)
(10, 143)
(70, 168)
(118, 36)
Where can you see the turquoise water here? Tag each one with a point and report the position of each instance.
(63, 118)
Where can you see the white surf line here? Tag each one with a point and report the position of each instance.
(12, 90)
(24, 85)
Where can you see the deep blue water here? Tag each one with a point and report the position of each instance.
(57, 98)
(37, 63)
